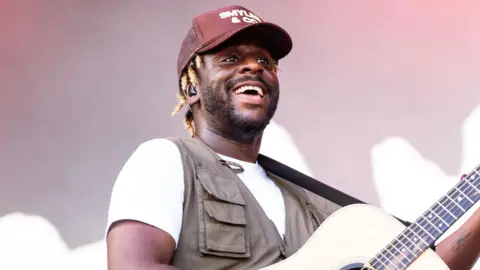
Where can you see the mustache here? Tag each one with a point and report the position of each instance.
(231, 83)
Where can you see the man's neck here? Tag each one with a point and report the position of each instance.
(228, 147)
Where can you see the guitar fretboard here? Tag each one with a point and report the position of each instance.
(419, 236)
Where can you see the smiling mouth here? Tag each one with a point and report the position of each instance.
(250, 90)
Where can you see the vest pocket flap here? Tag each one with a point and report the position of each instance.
(224, 212)
(220, 187)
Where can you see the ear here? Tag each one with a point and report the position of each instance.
(191, 94)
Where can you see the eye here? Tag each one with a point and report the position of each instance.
(231, 59)
(263, 61)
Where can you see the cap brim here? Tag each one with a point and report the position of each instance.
(271, 36)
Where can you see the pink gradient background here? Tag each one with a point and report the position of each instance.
(82, 83)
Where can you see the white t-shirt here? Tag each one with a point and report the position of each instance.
(150, 189)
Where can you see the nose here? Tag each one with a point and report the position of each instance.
(251, 65)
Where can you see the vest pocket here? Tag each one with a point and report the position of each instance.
(223, 231)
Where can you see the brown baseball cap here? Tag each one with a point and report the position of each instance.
(213, 28)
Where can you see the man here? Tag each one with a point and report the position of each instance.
(204, 202)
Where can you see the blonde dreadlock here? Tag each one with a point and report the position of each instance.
(191, 76)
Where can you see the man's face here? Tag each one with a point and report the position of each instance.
(239, 88)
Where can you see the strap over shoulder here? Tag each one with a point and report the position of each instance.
(307, 182)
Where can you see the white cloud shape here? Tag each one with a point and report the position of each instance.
(32, 242)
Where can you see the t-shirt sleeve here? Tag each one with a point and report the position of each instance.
(150, 188)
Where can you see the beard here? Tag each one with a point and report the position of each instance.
(227, 120)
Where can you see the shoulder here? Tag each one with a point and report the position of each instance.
(153, 162)
(150, 187)
(156, 147)
(152, 155)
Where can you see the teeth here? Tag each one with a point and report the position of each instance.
(250, 87)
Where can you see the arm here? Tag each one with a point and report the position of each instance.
(135, 245)
(461, 249)
(146, 209)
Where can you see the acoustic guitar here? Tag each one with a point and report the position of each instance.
(363, 237)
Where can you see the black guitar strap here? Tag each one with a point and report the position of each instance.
(306, 182)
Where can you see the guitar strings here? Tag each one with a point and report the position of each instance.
(473, 175)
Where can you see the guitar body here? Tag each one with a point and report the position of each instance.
(350, 237)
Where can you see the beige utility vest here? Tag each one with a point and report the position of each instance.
(224, 227)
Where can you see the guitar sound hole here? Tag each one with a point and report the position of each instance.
(355, 266)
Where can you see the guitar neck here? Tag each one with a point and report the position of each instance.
(430, 226)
